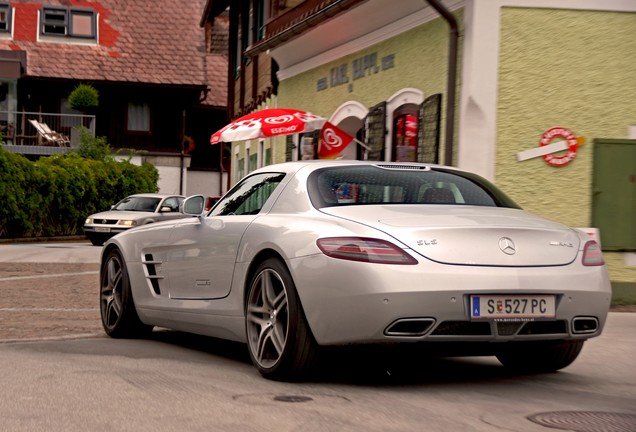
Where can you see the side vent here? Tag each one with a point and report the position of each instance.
(151, 270)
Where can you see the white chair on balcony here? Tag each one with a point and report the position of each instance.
(46, 136)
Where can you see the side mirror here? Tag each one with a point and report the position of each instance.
(193, 205)
(165, 209)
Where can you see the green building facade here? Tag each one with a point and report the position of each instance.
(530, 74)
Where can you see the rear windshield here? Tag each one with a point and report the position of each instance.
(375, 184)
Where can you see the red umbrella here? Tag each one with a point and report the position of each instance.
(268, 123)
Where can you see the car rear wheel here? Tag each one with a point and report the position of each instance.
(117, 308)
(280, 342)
(540, 356)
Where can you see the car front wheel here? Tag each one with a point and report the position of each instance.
(280, 342)
(117, 308)
(537, 357)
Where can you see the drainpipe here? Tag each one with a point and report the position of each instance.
(183, 118)
(452, 77)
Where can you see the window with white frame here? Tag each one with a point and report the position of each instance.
(138, 117)
(5, 18)
(68, 22)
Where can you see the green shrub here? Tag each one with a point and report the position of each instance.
(84, 97)
(53, 196)
(91, 147)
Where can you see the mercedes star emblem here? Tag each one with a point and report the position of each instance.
(507, 246)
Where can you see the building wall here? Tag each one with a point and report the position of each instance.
(571, 69)
(526, 66)
(420, 61)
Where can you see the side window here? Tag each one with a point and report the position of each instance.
(171, 202)
(249, 196)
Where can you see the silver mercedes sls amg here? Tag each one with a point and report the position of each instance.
(302, 255)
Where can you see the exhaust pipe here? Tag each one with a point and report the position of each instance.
(410, 327)
(584, 325)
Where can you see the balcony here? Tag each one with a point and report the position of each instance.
(42, 134)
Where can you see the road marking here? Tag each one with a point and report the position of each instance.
(13, 278)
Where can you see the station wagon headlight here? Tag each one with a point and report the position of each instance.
(130, 223)
(88, 221)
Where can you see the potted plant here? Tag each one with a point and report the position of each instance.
(84, 98)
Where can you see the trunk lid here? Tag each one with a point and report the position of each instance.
(470, 235)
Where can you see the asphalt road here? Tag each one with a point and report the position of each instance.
(56, 379)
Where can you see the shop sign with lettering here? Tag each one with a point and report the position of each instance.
(361, 67)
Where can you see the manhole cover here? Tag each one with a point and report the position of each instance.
(586, 421)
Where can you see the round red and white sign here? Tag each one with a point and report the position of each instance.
(571, 141)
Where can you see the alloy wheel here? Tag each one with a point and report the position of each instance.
(267, 318)
(112, 289)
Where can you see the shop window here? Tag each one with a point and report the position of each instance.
(138, 117)
(308, 146)
(68, 22)
(252, 161)
(268, 156)
(5, 18)
(241, 169)
(405, 136)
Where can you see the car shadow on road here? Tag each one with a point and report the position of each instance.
(392, 365)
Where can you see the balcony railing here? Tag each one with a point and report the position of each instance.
(21, 131)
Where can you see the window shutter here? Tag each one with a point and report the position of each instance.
(375, 131)
(289, 147)
(428, 130)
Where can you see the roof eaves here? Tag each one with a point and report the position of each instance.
(299, 27)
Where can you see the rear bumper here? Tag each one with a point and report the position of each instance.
(350, 302)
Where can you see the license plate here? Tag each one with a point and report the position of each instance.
(102, 229)
(512, 306)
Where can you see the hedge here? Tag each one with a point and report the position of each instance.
(52, 196)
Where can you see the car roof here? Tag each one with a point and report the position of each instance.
(314, 164)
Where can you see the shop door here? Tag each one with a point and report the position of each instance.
(614, 193)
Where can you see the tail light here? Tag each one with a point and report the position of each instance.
(365, 250)
(592, 255)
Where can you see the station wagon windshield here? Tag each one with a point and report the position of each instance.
(144, 204)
